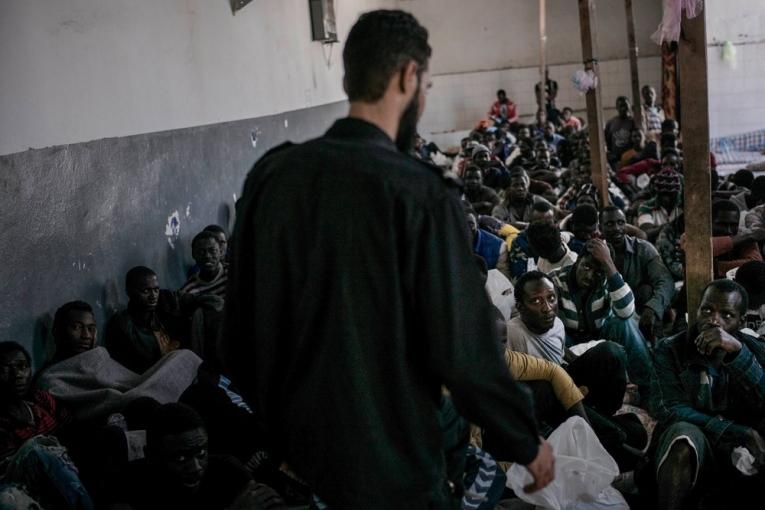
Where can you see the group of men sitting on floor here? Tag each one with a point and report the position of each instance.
(591, 316)
(600, 301)
(144, 419)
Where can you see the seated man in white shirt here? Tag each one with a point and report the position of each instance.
(601, 372)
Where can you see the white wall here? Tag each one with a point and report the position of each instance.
(484, 45)
(77, 70)
(457, 101)
(498, 34)
(735, 90)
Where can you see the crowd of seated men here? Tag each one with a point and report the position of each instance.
(600, 301)
(591, 316)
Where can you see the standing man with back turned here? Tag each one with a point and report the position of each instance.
(343, 332)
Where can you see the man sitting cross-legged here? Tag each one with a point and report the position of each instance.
(642, 268)
(600, 371)
(596, 303)
(202, 297)
(709, 397)
(149, 328)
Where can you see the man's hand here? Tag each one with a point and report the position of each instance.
(257, 496)
(647, 324)
(599, 250)
(757, 236)
(717, 338)
(756, 445)
(542, 468)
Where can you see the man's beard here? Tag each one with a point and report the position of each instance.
(407, 126)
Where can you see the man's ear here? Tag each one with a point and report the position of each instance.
(345, 85)
(408, 77)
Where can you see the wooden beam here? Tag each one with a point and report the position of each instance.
(637, 103)
(694, 96)
(594, 105)
(541, 100)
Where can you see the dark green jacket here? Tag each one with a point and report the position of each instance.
(642, 265)
(738, 394)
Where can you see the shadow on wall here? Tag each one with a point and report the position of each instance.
(75, 218)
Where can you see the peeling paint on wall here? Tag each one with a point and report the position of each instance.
(173, 228)
(75, 220)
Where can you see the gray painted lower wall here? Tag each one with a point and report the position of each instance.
(75, 218)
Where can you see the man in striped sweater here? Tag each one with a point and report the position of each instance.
(595, 303)
(213, 274)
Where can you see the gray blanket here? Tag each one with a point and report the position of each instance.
(92, 385)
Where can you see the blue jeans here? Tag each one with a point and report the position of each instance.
(42, 465)
(626, 333)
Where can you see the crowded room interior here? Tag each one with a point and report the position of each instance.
(382, 254)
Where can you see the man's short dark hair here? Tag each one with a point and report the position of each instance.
(751, 276)
(171, 419)
(542, 207)
(205, 234)
(10, 346)
(727, 286)
(758, 186)
(544, 236)
(584, 214)
(519, 171)
(502, 91)
(135, 275)
(520, 283)
(379, 45)
(59, 319)
(743, 178)
(473, 169)
(215, 229)
(610, 208)
(724, 205)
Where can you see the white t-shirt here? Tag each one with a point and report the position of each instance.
(568, 259)
(549, 345)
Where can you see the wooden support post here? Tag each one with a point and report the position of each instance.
(637, 103)
(541, 99)
(694, 97)
(594, 104)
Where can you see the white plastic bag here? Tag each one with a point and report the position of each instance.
(500, 291)
(583, 473)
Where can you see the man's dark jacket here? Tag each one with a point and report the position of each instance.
(353, 298)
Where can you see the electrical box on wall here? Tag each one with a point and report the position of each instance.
(323, 25)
